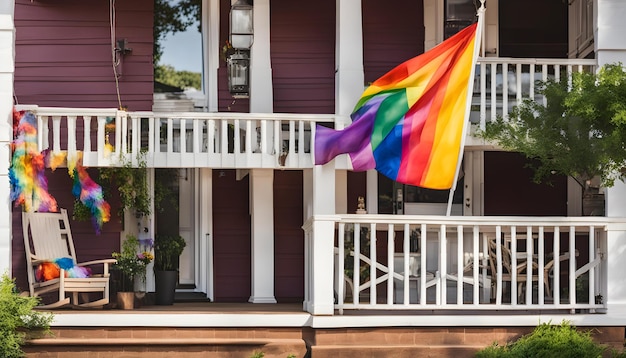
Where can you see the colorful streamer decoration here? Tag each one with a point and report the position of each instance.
(29, 186)
(410, 122)
(89, 193)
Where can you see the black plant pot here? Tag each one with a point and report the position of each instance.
(165, 282)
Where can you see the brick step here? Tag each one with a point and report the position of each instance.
(165, 342)
(394, 351)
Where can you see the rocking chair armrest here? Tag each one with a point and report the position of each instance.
(96, 262)
(36, 262)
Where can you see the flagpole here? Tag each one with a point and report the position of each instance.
(478, 37)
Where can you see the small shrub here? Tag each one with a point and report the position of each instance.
(548, 340)
(17, 318)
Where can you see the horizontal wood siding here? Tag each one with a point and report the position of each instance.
(303, 56)
(231, 237)
(288, 236)
(392, 34)
(357, 186)
(63, 53)
(542, 34)
(510, 190)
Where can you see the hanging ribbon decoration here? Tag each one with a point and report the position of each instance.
(29, 186)
(89, 193)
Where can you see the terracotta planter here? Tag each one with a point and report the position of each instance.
(126, 300)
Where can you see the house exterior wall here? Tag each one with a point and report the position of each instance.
(63, 54)
(510, 189)
(71, 66)
(303, 56)
(390, 37)
(542, 35)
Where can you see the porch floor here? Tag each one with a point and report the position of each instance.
(210, 314)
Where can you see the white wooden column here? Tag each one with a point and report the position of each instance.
(611, 48)
(319, 253)
(262, 218)
(371, 200)
(204, 216)
(341, 193)
(349, 77)
(261, 95)
(211, 51)
(7, 58)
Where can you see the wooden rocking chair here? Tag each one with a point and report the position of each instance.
(47, 236)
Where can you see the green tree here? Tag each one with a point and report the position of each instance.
(579, 132)
(168, 75)
(171, 16)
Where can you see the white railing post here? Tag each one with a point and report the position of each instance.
(320, 254)
(340, 267)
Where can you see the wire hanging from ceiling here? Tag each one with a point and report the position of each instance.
(114, 60)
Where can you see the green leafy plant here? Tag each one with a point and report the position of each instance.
(580, 131)
(165, 192)
(132, 261)
(548, 340)
(167, 250)
(130, 181)
(18, 320)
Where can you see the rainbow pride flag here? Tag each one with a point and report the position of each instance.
(409, 124)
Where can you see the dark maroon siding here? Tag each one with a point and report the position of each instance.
(231, 237)
(288, 236)
(357, 186)
(393, 32)
(63, 53)
(63, 59)
(543, 35)
(510, 190)
(303, 56)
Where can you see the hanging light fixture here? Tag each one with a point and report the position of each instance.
(241, 29)
(239, 74)
(241, 38)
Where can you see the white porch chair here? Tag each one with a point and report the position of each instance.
(47, 236)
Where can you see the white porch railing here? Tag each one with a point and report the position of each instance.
(504, 263)
(501, 83)
(258, 140)
(190, 139)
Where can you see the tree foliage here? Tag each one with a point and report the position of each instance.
(172, 16)
(184, 79)
(579, 132)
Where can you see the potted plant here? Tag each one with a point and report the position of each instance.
(131, 263)
(167, 250)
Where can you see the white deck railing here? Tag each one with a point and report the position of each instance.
(501, 83)
(259, 140)
(188, 140)
(419, 260)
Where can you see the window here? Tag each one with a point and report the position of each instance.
(458, 15)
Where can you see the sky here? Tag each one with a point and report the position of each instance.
(183, 50)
